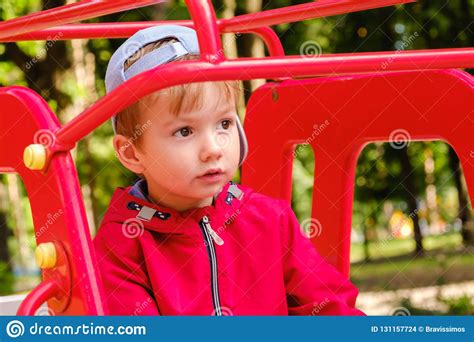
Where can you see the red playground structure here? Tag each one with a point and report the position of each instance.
(364, 97)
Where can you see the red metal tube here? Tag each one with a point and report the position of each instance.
(39, 295)
(66, 14)
(270, 38)
(312, 10)
(204, 18)
(251, 68)
(125, 30)
(245, 22)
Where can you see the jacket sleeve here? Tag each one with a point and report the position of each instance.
(124, 280)
(313, 287)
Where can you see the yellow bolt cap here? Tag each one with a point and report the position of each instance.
(34, 156)
(45, 255)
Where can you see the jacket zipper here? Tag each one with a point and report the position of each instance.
(209, 236)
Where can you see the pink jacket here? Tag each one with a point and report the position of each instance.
(245, 255)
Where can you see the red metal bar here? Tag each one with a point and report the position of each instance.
(245, 22)
(251, 68)
(312, 10)
(204, 18)
(66, 14)
(270, 38)
(125, 30)
(93, 30)
(39, 295)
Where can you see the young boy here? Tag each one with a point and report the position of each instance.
(184, 239)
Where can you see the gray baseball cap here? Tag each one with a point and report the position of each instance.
(187, 43)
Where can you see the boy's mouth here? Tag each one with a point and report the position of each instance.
(212, 176)
(212, 172)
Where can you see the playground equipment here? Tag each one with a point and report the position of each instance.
(361, 96)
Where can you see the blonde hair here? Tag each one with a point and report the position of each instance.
(181, 97)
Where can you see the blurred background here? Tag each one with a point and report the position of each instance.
(413, 228)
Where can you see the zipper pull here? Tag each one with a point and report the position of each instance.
(217, 239)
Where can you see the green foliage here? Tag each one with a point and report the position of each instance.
(459, 306)
(6, 280)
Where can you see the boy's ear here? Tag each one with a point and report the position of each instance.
(126, 152)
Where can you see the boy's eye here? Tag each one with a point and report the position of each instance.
(184, 132)
(226, 124)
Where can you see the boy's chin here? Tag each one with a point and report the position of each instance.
(209, 190)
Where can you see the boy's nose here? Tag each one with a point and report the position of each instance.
(213, 145)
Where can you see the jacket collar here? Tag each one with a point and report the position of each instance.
(128, 209)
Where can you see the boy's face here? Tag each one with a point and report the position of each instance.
(176, 151)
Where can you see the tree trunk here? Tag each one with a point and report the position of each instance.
(409, 184)
(253, 47)
(431, 192)
(4, 229)
(464, 213)
(229, 43)
(366, 243)
(25, 256)
(84, 71)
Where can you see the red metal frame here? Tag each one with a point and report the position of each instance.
(57, 206)
(73, 287)
(311, 10)
(367, 108)
(85, 9)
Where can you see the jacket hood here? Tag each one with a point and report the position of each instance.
(128, 209)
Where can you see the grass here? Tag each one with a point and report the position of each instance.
(393, 266)
(393, 248)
